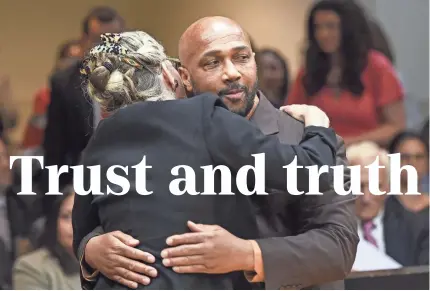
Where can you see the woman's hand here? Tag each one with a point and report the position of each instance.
(310, 115)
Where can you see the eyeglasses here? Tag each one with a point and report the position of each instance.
(175, 62)
(409, 157)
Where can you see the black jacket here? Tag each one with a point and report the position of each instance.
(195, 132)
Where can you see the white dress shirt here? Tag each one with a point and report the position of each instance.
(377, 232)
(369, 257)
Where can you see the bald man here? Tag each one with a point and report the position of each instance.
(304, 242)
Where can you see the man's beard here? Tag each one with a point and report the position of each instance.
(249, 96)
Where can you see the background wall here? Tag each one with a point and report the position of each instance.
(30, 34)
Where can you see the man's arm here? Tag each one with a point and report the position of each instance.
(85, 219)
(325, 249)
(323, 252)
(224, 131)
(114, 255)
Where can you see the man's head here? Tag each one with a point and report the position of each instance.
(216, 56)
(364, 154)
(101, 19)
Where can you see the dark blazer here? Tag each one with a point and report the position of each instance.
(406, 234)
(195, 132)
(69, 127)
(69, 120)
(311, 240)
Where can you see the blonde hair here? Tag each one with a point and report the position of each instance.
(115, 83)
(366, 151)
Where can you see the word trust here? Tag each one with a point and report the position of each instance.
(188, 178)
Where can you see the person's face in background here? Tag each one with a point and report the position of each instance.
(327, 27)
(74, 54)
(5, 172)
(271, 77)
(223, 64)
(64, 224)
(413, 152)
(97, 28)
(367, 206)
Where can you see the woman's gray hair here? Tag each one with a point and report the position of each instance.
(115, 83)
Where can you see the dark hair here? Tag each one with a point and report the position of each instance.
(64, 48)
(380, 40)
(425, 131)
(104, 14)
(49, 238)
(405, 135)
(355, 45)
(277, 55)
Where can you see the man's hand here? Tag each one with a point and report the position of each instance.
(114, 255)
(208, 249)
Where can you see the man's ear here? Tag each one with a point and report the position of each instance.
(168, 77)
(186, 79)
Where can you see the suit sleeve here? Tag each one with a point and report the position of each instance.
(325, 248)
(85, 219)
(232, 140)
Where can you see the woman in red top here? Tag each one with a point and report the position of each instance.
(355, 85)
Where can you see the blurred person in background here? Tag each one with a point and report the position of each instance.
(68, 53)
(273, 79)
(52, 266)
(72, 116)
(425, 131)
(5, 236)
(385, 227)
(343, 75)
(414, 151)
(8, 113)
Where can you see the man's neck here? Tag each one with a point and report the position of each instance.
(254, 107)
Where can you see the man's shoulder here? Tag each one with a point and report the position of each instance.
(287, 119)
(207, 99)
(288, 125)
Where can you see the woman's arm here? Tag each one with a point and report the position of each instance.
(232, 140)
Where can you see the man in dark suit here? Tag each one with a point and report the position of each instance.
(386, 228)
(72, 116)
(308, 242)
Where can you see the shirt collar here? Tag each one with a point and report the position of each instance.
(265, 115)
